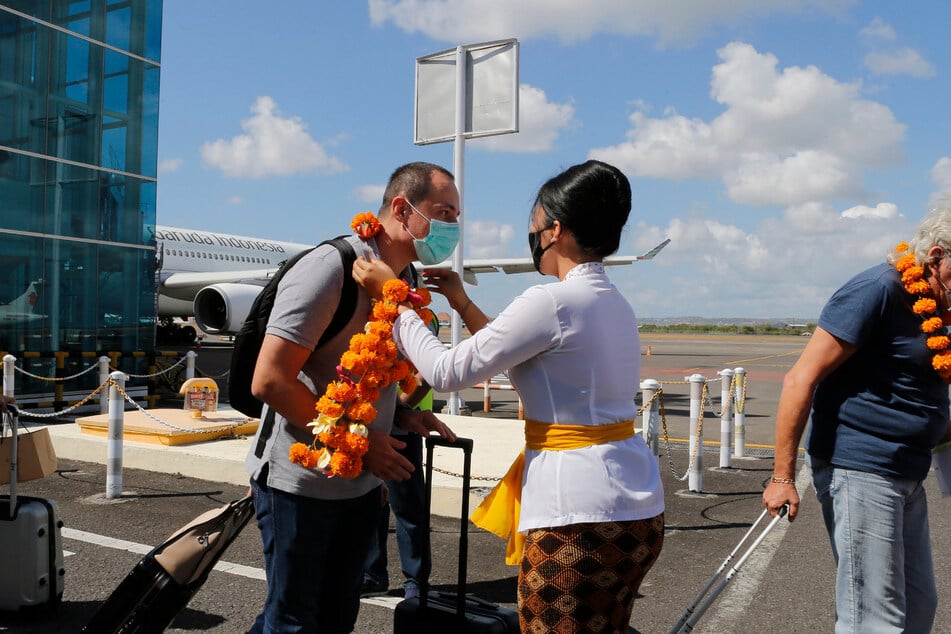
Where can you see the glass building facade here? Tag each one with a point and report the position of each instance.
(79, 93)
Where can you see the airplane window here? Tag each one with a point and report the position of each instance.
(167, 251)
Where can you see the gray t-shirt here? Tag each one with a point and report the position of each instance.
(306, 299)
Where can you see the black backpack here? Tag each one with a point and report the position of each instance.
(247, 343)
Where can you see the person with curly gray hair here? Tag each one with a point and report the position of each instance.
(874, 378)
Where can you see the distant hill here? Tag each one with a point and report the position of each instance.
(779, 322)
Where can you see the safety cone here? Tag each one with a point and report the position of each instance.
(649, 353)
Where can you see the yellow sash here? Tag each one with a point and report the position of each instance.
(499, 511)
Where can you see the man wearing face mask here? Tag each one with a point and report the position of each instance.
(316, 529)
(582, 508)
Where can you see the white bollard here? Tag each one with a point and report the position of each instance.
(190, 364)
(739, 424)
(114, 447)
(103, 375)
(695, 449)
(726, 418)
(649, 422)
(8, 361)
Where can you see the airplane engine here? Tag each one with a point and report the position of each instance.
(222, 308)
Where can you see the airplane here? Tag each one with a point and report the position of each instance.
(215, 277)
(22, 309)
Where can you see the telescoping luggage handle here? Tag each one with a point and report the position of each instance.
(466, 445)
(13, 416)
(692, 614)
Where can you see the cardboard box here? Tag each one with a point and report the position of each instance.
(36, 457)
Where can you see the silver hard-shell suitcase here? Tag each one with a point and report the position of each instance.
(31, 544)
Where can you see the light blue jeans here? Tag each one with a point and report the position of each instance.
(878, 527)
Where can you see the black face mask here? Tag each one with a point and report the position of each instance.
(535, 244)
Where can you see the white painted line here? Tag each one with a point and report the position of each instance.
(142, 549)
(222, 566)
(734, 602)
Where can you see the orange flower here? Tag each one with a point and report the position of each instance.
(912, 274)
(345, 465)
(920, 287)
(341, 392)
(408, 384)
(366, 225)
(924, 306)
(931, 325)
(369, 365)
(298, 452)
(330, 407)
(362, 412)
(938, 343)
(905, 262)
(942, 361)
(395, 290)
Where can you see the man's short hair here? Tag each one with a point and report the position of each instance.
(412, 181)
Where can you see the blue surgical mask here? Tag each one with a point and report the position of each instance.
(439, 243)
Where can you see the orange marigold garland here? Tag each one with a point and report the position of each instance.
(370, 364)
(912, 276)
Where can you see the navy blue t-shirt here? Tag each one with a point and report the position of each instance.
(885, 408)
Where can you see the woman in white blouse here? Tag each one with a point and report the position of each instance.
(591, 522)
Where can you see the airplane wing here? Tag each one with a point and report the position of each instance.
(220, 300)
(511, 266)
(185, 285)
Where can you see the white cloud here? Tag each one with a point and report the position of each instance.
(787, 266)
(271, 146)
(785, 137)
(882, 211)
(879, 29)
(370, 194)
(170, 165)
(540, 123)
(669, 21)
(901, 61)
(488, 239)
(235, 200)
(941, 174)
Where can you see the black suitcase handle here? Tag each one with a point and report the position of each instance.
(466, 445)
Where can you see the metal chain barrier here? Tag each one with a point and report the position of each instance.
(666, 436)
(730, 399)
(77, 405)
(154, 374)
(191, 430)
(55, 379)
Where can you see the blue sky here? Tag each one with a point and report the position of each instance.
(782, 145)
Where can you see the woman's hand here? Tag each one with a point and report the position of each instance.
(372, 275)
(446, 282)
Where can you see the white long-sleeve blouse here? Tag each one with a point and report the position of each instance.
(573, 353)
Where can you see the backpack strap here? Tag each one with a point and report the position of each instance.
(342, 315)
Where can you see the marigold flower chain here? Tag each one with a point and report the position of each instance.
(369, 365)
(912, 277)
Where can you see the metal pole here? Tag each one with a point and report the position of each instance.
(695, 470)
(8, 361)
(103, 375)
(739, 425)
(114, 448)
(190, 364)
(726, 418)
(649, 430)
(458, 168)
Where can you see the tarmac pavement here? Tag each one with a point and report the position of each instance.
(786, 585)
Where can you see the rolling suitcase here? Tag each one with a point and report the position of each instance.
(441, 612)
(31, 543)
(164, 581)
(716, 584)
